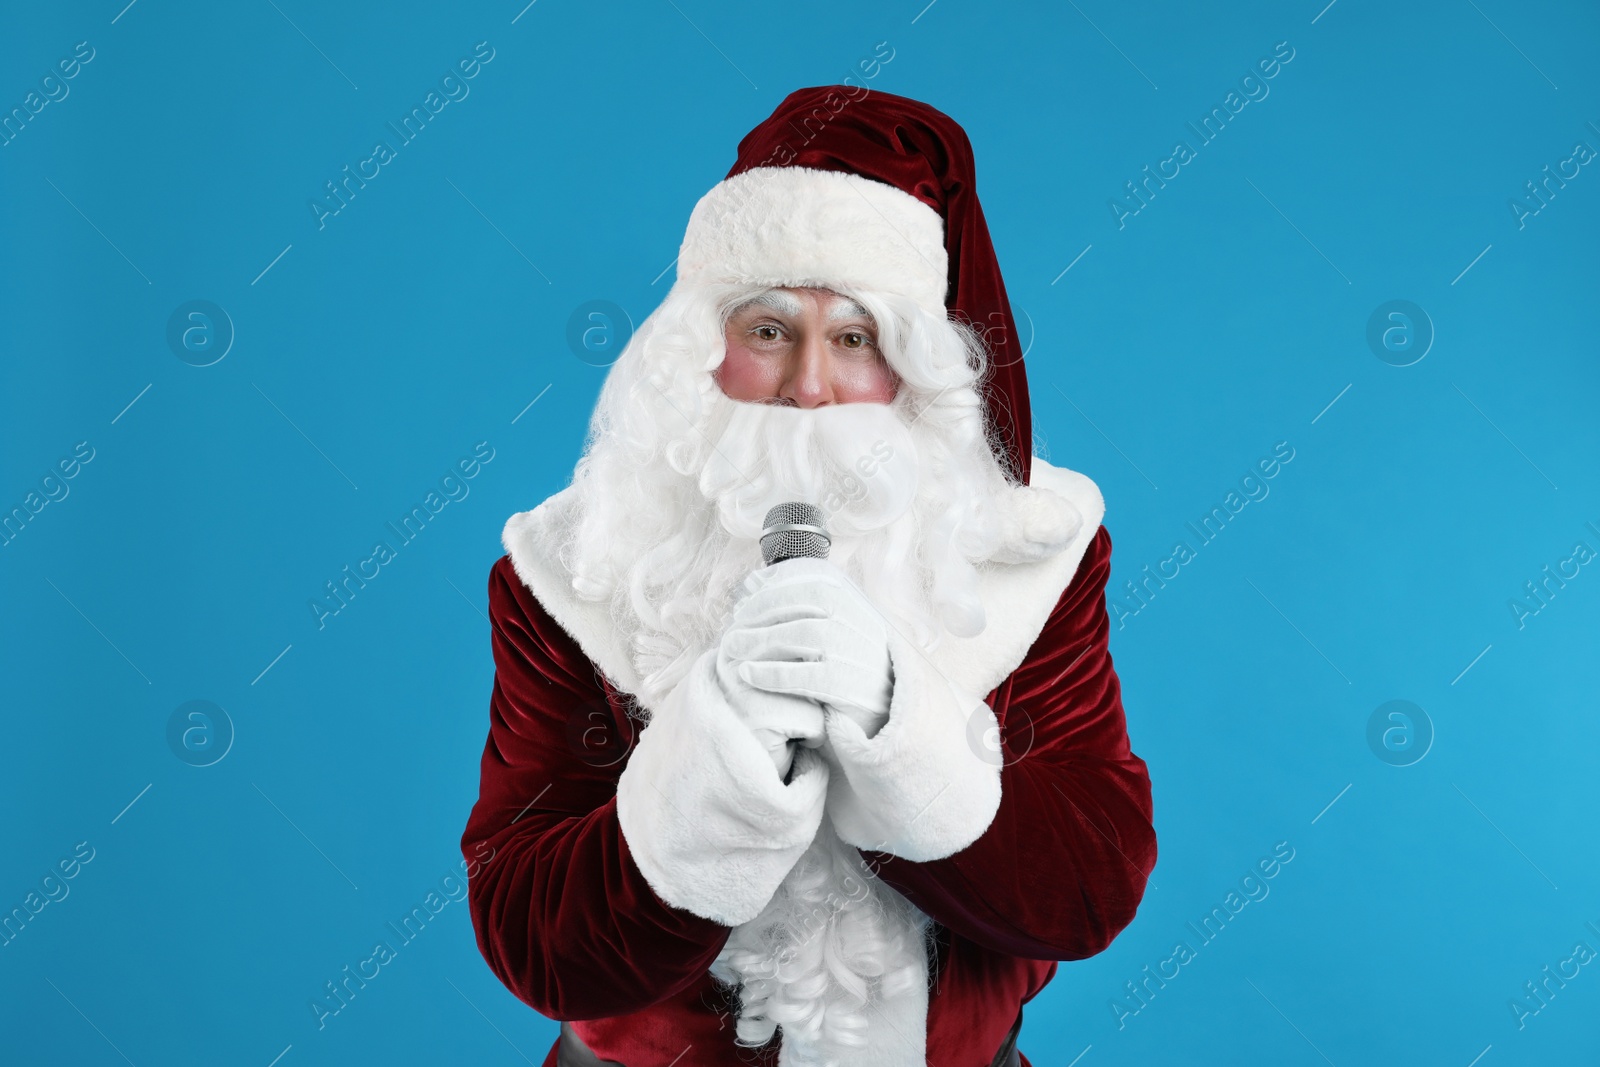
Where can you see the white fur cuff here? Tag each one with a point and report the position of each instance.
(919, 788)
(710, 824)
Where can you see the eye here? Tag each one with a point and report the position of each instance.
(855, 340)
(766, 332)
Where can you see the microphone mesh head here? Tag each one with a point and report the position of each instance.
(779, 542)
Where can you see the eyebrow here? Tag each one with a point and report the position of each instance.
(778, 300)
(846, 309)
(786, 303)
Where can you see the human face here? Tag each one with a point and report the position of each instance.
(805, 348)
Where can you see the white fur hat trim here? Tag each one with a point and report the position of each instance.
(797, 226)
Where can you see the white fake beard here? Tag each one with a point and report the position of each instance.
(828, 959)
(834, 944)
(857, 462)
(837, 956)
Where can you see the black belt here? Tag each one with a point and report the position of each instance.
(572, 1052)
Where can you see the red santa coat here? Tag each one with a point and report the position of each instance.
(566, 919)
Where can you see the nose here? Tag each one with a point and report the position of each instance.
(809, 383)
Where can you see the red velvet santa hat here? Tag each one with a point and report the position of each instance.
(846, 186)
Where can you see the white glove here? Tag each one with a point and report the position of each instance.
(805, 630)
(711, 827)
(776, 719)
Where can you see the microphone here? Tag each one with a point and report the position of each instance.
(794, 530)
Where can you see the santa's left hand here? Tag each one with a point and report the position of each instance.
(805, 630)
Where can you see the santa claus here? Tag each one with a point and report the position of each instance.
(833, 811)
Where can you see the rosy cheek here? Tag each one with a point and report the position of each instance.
(885, 385)
(873, 383)
(742, 377)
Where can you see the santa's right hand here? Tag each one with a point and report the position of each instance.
(710, 825)
(776, 719)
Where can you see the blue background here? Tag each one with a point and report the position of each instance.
(373, 353)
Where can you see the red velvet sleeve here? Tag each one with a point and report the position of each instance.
(1062, 868)
(562, 913)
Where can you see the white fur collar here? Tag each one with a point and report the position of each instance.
(1017, 597)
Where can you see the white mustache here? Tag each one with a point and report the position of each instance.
(858, 462)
